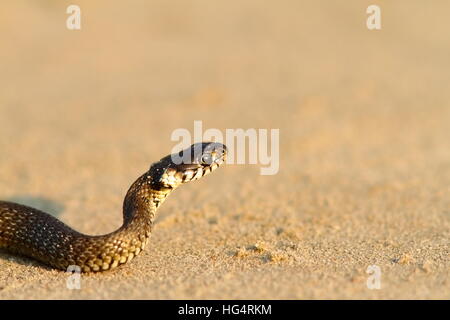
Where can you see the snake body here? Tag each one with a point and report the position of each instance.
(36, 234)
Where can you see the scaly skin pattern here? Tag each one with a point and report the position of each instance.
(36, 234)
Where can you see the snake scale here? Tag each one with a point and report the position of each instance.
(29, 232)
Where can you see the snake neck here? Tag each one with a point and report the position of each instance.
(142, 201)
(139, 212)
(54, 243)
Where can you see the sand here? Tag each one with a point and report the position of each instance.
(364, 121)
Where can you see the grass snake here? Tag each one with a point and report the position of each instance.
(30, 232)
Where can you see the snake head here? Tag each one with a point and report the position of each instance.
(189, 164)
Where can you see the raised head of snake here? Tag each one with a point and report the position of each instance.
(33, 233)
(187, 165)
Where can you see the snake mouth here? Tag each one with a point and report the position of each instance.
(196, 171)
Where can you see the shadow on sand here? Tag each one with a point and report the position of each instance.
(43, 204)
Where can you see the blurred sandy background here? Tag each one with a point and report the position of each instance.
(364, 122)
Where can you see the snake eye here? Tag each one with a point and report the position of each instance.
(206, 159)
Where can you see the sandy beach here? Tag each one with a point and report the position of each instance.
(364, 154)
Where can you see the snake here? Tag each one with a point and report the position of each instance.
(35, 234)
